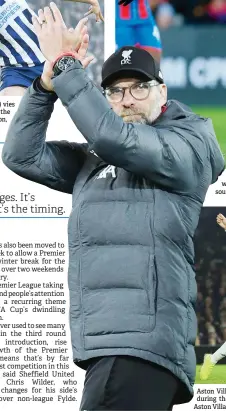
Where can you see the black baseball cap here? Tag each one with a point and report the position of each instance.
(130, 61)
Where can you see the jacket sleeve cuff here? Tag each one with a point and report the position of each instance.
(68, 84)
(37, 88)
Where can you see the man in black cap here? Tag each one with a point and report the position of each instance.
(134, 86)
(138, 186)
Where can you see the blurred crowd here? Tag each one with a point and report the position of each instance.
(72, 13)
(176, 12)
(210, 247)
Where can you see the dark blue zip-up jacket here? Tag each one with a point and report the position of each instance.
(131, 281)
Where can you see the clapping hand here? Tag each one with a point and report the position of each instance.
(221, 221)
(53, 35)
(51, 25)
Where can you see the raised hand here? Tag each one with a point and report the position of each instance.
(81, 54)
(221, 221)
(94, 8)
(53, 35)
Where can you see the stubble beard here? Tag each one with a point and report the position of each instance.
(155, 113)
(134, 116)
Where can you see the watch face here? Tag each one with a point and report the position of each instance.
(65, 62)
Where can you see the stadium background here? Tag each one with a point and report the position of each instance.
(194, 55)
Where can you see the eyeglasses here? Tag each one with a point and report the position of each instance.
(139, 91)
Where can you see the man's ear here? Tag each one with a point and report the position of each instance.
(163, 92)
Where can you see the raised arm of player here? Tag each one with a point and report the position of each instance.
(221, 221)
(94, 8)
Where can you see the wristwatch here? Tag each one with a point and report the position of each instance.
(63, 62)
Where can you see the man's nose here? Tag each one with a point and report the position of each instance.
(128, 99)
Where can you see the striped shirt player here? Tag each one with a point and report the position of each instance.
(20, 57)
(135, 25)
